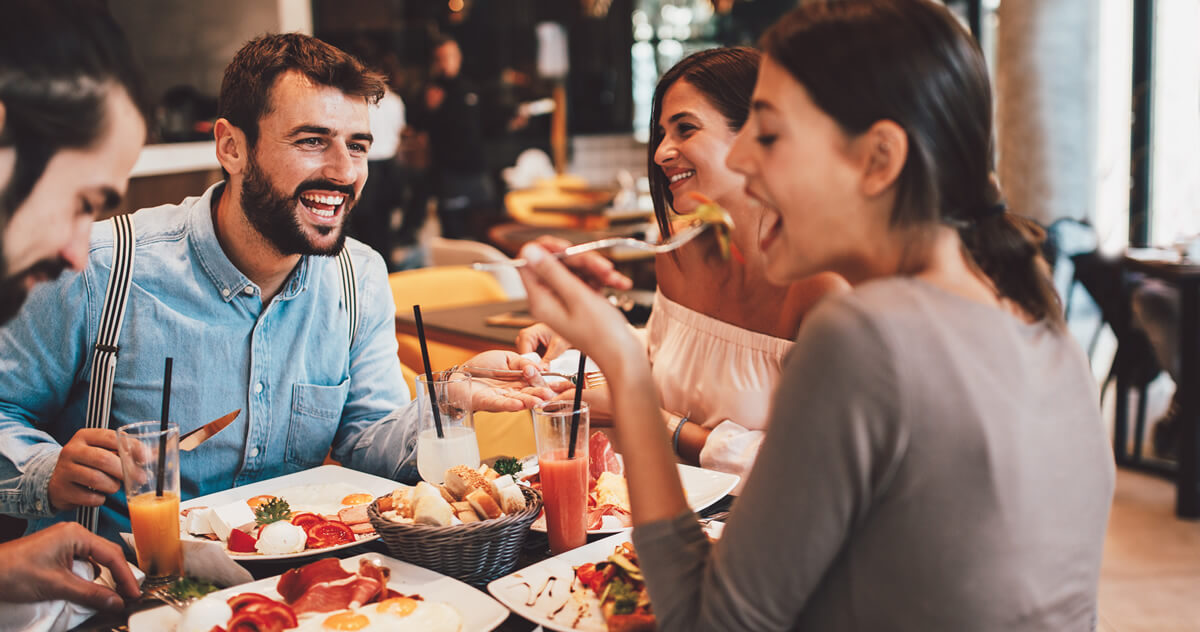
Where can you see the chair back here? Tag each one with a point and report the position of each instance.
(440, 288)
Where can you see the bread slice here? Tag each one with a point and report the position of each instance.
(460, 480)
(483, 504)
(433, 511)
(512, 499)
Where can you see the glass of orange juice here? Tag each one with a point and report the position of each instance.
(150, 467)
(564, 474)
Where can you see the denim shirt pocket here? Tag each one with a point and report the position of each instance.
(316, 415)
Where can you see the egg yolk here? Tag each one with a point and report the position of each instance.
(259, 500)
(346, 621)
(357, 499)
(398, 606)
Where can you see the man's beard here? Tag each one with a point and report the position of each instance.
(273, 214)
(13, 288)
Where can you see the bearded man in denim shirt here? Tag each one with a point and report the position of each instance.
(241, 287)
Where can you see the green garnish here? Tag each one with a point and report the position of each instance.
(273, 510)
(624, 597)
(186, 589)
(507, 465)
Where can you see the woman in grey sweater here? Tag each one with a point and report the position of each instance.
(935, 458)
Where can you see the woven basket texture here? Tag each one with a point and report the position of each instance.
(475, 553)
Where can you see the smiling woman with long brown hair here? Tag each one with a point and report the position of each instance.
(935, 458)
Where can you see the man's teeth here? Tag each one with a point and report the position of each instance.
(681, 175)
(331, 200)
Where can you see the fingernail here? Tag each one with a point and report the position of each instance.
(534, 253)
(530, 372)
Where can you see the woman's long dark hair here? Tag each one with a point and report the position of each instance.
(725, 76)
(911, 62)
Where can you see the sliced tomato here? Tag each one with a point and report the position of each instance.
(271, 609)
(237, 602)
(252, 622)
(329, 533)
(241, 542)
(306, 519)
(585, 573)
(217, 628)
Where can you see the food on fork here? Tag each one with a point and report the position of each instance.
(710, 212)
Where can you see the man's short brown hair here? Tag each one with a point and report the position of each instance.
(246, 89)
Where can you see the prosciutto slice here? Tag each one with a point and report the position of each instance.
(602, 457)
(324, 586)
(337, 596)
(294, 583)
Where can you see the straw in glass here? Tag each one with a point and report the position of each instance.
(578, 401)
(162, 437)
(433, 403)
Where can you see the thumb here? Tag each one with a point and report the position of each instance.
(76, 590)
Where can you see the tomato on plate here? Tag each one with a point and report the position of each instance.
(272, 610)
(241, 542)
(237, 602)
(306, 519)
(329, 533)
(253, 622)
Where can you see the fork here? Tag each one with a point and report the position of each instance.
(163, 594)
(591, 379)
(674, 241)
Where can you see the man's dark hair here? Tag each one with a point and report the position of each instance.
(58, 61)
(246, 89)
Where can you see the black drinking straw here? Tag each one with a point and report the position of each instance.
(162, 438)
(578, 400)
(433, 403)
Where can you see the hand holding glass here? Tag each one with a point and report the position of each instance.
(154, 516)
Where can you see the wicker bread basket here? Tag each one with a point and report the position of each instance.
(475, 553)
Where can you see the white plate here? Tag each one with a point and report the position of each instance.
(324, 475)
(480, 612)
(703, 488)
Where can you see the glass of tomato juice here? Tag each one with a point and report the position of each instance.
(564, 475)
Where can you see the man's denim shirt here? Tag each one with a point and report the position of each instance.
(302, 387)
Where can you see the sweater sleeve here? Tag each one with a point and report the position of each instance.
(834, 441)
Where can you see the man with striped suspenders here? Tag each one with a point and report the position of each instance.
(255, 292)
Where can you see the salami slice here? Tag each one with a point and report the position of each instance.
(603, 458)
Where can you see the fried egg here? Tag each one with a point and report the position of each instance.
(325, 499)
(400, 614)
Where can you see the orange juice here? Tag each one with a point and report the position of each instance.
(155, 521)
(564, 493)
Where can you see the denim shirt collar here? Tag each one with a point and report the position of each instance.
(226, 278)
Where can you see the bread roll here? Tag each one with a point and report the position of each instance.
(460, 480)
(446, 495)
(468, 516)
(460, 506)
(386, 503)
(483, 504)
(432, 510)
(424, 489)
(512, 499)
(488, 473)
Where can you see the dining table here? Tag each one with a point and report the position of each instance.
(1184, 275)
(535, 549)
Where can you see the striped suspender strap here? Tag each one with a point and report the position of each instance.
(104, 358)
(349, 290)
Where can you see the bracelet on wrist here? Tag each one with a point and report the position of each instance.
(678, 429)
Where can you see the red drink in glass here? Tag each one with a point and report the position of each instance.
(565, 493)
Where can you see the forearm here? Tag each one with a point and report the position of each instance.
(25, 481)
(655, 492)
(387, 447)
(692, 438)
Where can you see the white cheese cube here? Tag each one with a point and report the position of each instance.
(196, 522)
(226, 518)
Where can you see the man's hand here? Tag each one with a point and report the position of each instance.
(508, 394)
(87, 471)
(38, 568)
(539, 338)
(594, 269)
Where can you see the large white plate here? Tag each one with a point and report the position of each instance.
(480, 612)
(324, 475)
(703, 488)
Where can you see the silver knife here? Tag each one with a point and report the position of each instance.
(194, 438)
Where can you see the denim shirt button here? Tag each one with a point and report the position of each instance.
(225, 292)
(38, 505)
(249, 290)
(254, 453)
(258, 387)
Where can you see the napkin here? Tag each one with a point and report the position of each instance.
(207, 560)
(57, 616)
(568, 363)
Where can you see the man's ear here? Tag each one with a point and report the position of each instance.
(885, 146)
(232, 149)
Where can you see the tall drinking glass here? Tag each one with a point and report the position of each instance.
(457, 444)
(564, 478)
(147, 453)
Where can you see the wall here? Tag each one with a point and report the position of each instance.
(188, 42)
